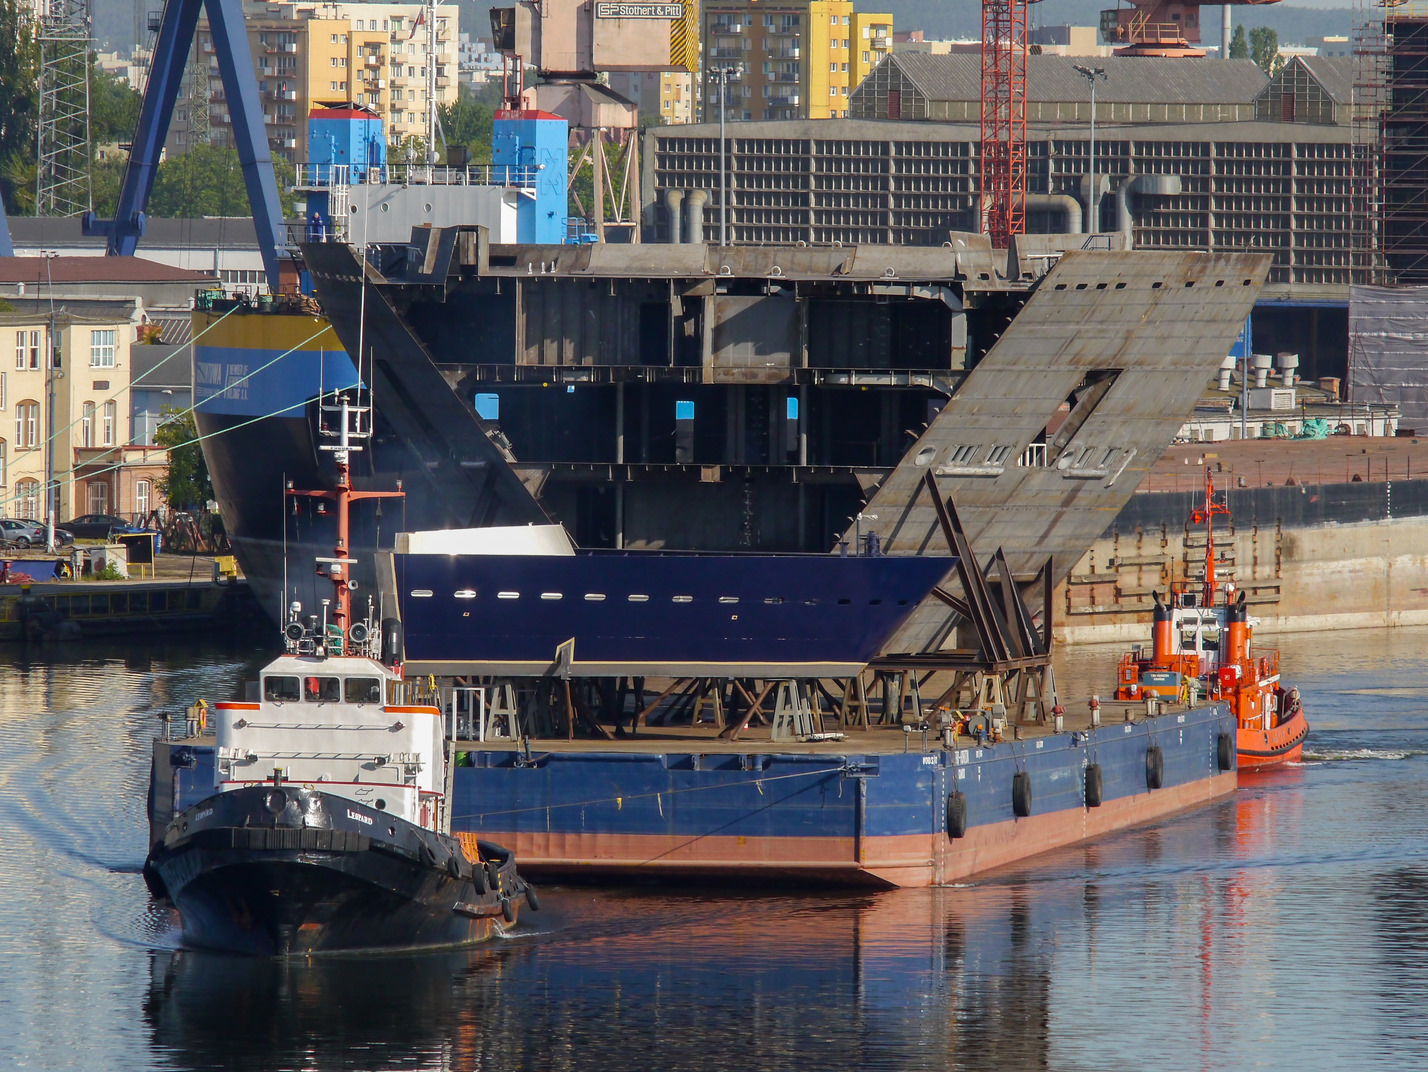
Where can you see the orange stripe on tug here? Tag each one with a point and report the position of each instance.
(1203, 643)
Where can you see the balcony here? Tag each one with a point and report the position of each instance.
(783, 76)
(787, 53)
(374, 61)
(726, 53)
(725, 28)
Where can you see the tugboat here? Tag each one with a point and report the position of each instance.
(329, 828)
(1202, 642)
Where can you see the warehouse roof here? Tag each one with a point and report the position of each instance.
(1335, 75)
(1129, 79)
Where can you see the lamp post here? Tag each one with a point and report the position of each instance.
(49, 255)
(1093, 200)
(721, 77)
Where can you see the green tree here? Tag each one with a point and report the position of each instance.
(1239, 45)
(1264, 49)
(113, 107)
(468, 122)
(206, 181)
(19, 106)
(185, 485)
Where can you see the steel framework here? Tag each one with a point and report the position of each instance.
(1003, 179)
(62, 176)
(240, 83)
(1398, 106)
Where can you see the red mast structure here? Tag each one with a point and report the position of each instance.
(1003, 185)
(343, 495)
(1206, 516)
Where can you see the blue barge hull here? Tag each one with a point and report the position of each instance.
(815, 813)
(829, 813)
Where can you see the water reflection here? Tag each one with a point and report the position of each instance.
(1283, 927)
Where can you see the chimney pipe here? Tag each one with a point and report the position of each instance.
(1262, 364)
(694, 203)
(1288, 367)
(672, 200)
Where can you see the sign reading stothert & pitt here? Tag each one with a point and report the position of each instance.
(612, 9)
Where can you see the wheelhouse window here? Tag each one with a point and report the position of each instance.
(364, 690)
(281, 689)
(322, 689)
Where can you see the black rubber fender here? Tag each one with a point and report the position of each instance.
(956, 814)
(1021, 794)
(1095, 785)
(154, 881)
(478, 878)
(1225, 751)
(1154, 767)
(532, 899)
(507, 912)
(453, 866)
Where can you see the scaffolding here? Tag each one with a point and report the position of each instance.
(63, 151)
(1391, 141)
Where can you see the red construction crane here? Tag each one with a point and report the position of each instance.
(1003, 118)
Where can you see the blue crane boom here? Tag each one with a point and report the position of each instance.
(240, 84)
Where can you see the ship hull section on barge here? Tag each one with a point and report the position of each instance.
(826, 814)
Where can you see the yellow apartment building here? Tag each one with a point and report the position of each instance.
(89, 369)
(305, 53)
(799, 59)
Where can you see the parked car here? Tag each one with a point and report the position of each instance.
(22, 533)
(99, 526)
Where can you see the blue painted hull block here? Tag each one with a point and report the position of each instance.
(816, 813)
(637, 612)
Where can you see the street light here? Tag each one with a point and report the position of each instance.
(1093, 217)
(722, 76)
(49, 255)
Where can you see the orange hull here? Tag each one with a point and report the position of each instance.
(1263, 749)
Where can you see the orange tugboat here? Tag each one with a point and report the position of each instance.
(1202, 641)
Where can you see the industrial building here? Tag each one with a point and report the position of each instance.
(799, 59)
(374, 54)
(1190, 154)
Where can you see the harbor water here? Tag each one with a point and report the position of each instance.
(1285, 927)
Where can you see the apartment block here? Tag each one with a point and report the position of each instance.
(798, 59)
(373, 54)
(667, 94)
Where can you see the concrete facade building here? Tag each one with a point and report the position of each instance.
(801, 59)
(375, 54)
(667, 94)
(1182, 160)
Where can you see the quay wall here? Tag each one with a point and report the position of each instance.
(1309, 557)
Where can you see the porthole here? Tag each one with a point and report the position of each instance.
(844, 602)
(681, 599)
(421, 593)
(773, 599)
(594, 597)
(728, 599)
(381, 804)
(465, 593)
(508, 595)
(638, 598)
(552, 595)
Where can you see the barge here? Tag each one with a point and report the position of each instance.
(882, 807)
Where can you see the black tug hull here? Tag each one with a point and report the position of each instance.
(322, 874)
